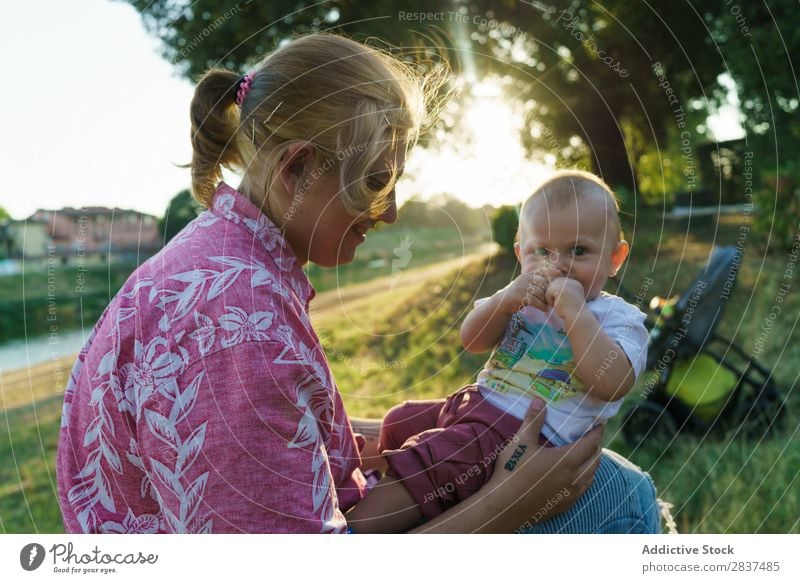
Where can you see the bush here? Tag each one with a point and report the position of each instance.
(505, 223)
(181, 210)
(777, 205)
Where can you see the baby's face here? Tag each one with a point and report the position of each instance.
(578, 239)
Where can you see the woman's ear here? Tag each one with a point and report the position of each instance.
(294, 166)
(618, 256)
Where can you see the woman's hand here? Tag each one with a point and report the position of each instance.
(530, 482)
(541, 482)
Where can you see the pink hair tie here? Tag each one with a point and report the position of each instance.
(244, 87)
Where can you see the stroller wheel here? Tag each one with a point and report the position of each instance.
(648, 421)
(766, 416)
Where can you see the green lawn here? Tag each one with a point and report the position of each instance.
(719, 484)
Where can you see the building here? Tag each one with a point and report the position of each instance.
(100, 230)
(28, 239)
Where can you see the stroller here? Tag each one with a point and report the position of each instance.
(704, 381)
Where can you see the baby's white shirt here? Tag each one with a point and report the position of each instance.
(534, 357)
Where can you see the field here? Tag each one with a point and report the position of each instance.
(396, 338)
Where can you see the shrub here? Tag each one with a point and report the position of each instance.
(504, 227)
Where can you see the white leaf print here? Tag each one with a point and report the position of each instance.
(224, 205)
(188, 298)
(311, 398)
(111, 456)
(186, 400)
(204, 336)
(142, 283)
(65, 414)
(134, 460)
(321, 483)
(146, 486)
(161, 427)
(166, 476)
(222, 282)
(261, 320)
(163, 323)
(285, 334)
(307, 432)
(105, 499)
(187, 453)
(194, 276)
(93, 431)
(236, 262)
(114, 527)
(285, 263)
(191, 502)
(122, 315)
(97, 394)
(106, 364)
(91, 462)
(260, 277)
(175, 525)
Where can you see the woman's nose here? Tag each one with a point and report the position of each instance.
(390, 214)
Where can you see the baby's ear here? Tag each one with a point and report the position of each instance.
(516, 251)
(618, 256)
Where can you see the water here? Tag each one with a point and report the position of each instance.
(22, 353)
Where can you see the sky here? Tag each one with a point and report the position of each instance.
(93, 115)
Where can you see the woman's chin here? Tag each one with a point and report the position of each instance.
(343, 258)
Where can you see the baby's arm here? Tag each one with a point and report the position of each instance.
(594, 350)
(484, 326)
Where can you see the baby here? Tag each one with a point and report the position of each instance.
(554, 335)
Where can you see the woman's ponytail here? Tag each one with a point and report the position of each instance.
(215, 119)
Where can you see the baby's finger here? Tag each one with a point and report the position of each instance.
(532, 424)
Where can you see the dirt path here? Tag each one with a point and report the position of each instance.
(27, 385)
(347, 298)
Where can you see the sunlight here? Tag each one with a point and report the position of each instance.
(482, 160)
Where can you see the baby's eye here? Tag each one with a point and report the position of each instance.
(577, 250)
(541, 252)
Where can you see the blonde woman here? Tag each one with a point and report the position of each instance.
(202, 401)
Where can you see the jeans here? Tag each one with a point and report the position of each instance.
(621, 500)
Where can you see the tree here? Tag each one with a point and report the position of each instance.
(4, 214)
(585, 71)
(505, 223)
(181, 210)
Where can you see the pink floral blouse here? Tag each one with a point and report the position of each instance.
(202, 400)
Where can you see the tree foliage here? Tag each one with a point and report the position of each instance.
(181, 210)
(505, 223)
(613, 83)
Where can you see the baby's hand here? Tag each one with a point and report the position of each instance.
(526, 290)
(566, 296)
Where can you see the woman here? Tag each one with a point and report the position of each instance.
(202, 401)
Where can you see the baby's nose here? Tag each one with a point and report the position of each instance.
(559, 261)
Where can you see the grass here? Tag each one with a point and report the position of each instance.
(28, 437)
(722, 483)
(405, 345)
